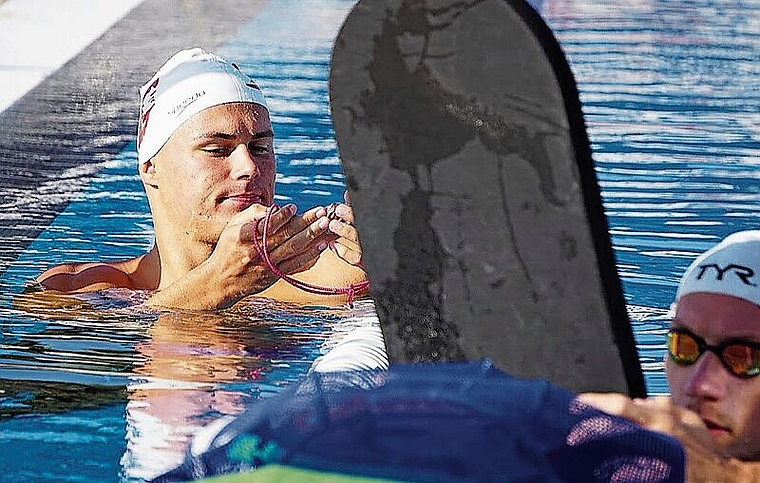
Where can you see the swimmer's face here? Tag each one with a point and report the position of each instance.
(729, 405)
(216, 164)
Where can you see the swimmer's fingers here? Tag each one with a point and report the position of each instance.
(302, 242)
(251, 220)
(663, 415)
(658, 414)
(303, 260)
(283, 225)
(345, 213)
(612, 403)
(705, 460)
(648, 415)
(295, 226)
(346, 246)
(346, 251)
(280, 217)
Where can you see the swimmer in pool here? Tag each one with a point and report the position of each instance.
(713, 366)
(206, 160)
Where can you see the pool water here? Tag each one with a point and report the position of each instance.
(104, 392)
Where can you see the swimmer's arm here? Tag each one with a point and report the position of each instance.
(84, 277)
(235, 270)
(205, 288)
(50, 294)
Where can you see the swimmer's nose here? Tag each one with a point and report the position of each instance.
(706, 378)
(243, 164)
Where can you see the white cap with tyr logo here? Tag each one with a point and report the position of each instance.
(732, 267)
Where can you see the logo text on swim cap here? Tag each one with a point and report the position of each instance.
(146, 105)
(186, 102)
(744, 273)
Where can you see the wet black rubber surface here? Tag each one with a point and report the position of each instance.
(464, 146)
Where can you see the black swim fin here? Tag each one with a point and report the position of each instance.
(466, 156)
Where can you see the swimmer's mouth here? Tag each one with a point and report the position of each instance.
(245, 198)
(715, 428)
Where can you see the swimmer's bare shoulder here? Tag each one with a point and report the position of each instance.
(49, 295)
(94, 276)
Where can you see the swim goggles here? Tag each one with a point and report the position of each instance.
(741, 358)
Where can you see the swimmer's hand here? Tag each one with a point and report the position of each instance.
(346, 245)
(235, 269)
(705, 461)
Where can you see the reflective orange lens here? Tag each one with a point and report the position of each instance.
(742, 359)
(683, 348)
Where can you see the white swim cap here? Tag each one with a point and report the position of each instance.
(732, 267)
(191, 81)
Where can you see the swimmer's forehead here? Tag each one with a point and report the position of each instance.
(718, 317)
(227, 122)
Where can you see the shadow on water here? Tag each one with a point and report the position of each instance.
(37, 397)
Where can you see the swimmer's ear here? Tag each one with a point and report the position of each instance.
(148, 174)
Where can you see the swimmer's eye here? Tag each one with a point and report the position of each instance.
(217, 151)
(259, 148)
(254, 148)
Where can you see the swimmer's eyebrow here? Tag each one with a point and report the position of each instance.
(225, 135)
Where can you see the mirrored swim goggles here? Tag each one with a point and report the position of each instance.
(741, 358)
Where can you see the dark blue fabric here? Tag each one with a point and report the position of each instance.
(439, 423)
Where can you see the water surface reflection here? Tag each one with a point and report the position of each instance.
(170, 372)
